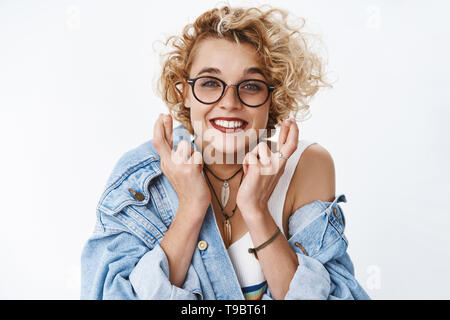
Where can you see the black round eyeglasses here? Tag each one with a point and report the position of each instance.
(251, 92)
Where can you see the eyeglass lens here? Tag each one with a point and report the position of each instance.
(250, 92)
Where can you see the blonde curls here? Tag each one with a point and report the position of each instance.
(288, 62)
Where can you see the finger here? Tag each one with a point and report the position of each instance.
(184, 151)
(253, 163)
(168, 127)
(264, 153)
(278, 161)
(159, 139)
(197, 158)
(253, 156)
(252, 160)
(288, 148)
(283, 133)
(245, 164)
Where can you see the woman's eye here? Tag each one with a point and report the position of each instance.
(210, 83)
(252, 87)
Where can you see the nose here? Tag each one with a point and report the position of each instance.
(230, 99)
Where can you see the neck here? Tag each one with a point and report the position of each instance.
(224, 171)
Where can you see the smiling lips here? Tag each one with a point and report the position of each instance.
(228, 124)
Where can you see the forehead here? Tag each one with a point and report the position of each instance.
(229, 57)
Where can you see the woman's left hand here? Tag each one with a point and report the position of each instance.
(263, 169)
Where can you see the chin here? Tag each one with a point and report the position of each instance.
(222, 144)
(228, 144)
(222, 148)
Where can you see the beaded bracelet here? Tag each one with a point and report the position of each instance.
(254, 250)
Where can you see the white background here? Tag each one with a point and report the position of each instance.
(76, 92)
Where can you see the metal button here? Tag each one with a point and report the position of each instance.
(137, 195)
(202, 245)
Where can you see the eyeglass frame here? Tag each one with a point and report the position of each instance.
(192, 81)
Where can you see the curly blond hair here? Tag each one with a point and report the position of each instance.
(288, 62)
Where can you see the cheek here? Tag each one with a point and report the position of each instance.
(198, 118)
(198, 112)
(188, 100)
(260, 118)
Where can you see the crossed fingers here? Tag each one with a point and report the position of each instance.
(264, 160)
(162, 140)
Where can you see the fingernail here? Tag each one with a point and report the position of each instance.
(286, 122)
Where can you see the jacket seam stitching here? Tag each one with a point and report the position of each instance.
(324, 248)
(146, 223)
(160, 204)
(136, 229)
(165, 207)
(126, 174)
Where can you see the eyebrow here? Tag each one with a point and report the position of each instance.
(252, 70)
(209, 70)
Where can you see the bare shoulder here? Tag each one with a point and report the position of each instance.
(314, 177)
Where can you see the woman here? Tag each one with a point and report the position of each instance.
(213, 209)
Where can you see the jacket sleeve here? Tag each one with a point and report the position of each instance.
(325, 270)
(116, 264)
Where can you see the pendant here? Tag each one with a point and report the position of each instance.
(227, 232)
(225, 194)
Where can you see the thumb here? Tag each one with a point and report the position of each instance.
(250, 161)
(245, 164)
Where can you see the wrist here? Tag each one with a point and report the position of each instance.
(194, 208)
(255, 214)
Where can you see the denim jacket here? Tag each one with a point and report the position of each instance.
(123, 259)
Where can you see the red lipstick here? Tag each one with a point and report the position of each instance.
(228, 130)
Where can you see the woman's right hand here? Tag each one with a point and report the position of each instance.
(182, 167)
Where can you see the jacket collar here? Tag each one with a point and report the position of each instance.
(135, 170)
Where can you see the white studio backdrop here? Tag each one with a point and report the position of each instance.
(77, 85)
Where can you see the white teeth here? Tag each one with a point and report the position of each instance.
(229, 124)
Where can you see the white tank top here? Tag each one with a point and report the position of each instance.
(246, 266)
